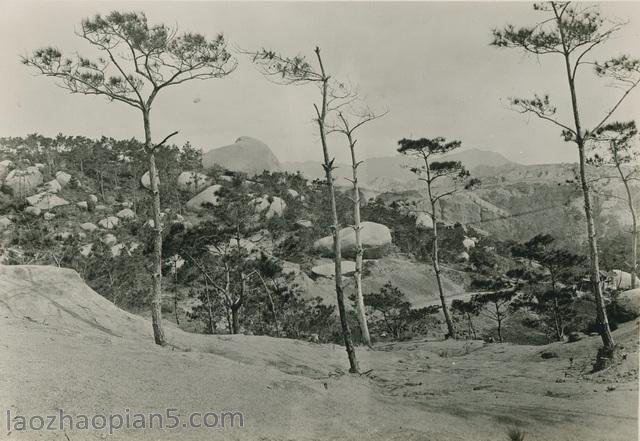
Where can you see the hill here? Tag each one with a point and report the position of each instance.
(246, 154)
(101, 360)
(382, 173)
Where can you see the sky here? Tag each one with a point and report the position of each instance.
(429, 64)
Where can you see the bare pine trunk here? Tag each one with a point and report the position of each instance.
(436, 269)
(360, 308)
(156, 300)
(346, 333)
(601, 313)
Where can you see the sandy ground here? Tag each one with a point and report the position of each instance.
(62, 346)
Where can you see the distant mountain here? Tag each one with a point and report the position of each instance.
(392, 172)
(246, 154)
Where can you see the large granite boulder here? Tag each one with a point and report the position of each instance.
(5, 166)
(208, 195)
(193, 181)
(88, 226)
(376, 241)
(109, 222)
(270, 206)
(126, 213)
(23, 182)
(63, 178)
(46, 201)
(145, 180)
(5, 223)
(53, 186)
(629, 302)
(622, 280)
(423, 220)
(109, 239)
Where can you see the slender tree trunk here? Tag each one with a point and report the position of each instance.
(234, 319)
(346, 333)
(472, 329)
(601, 313)
(360, 309)
(435, 254)
(156, 300)
(436, 269)
(209, 309)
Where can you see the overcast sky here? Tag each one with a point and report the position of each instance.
(429, 64)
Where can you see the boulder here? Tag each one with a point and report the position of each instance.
(49, 216)
(126, 213)
(293, 194)
(93, 198)
(303, 223)
(328, 269)
(629, 302)
(193, 181)
(5, 166)
(88, 226)
(127, 204)
(109, 239)
(423, 220)
(85, 250)
(62, 235)
(116, 249)
(276, 208)
(83, 205)
(622, 280)
(63, 178)
(5, 223)
(462, 257)
(101, 208)
(23, 182)
(46, 201)
(145, 180)
(53, 186)
(468, 243)
(33, 211)
(40, 166)
(208, 195)
(376, 240)
(109, 222)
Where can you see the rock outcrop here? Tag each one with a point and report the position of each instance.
(208, 195)
(376, 240)
(46, 201)
(23, 182)
(63, 178)
(5, 166)
(88, 226)
(629, 302)
(109, 222)
(126, 213)
(193, 181)
(270, 206)
(622, 280)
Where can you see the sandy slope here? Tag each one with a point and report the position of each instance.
(62, 346)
